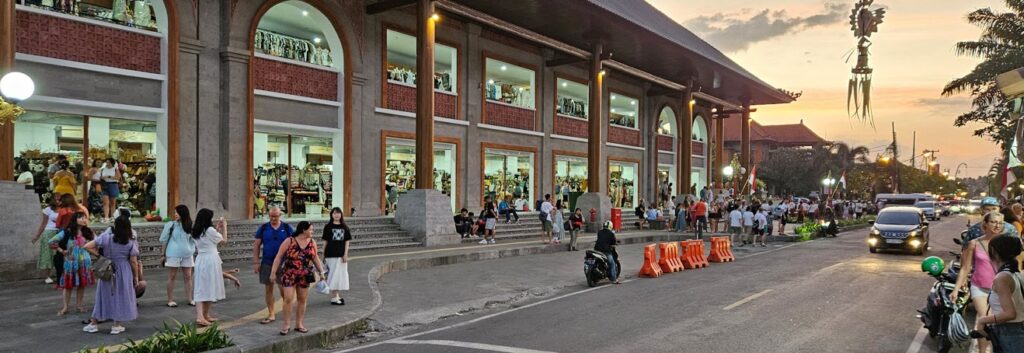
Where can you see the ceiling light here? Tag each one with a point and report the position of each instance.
(316, 40)
(503, 67)
(490, 82)
(613, 110)
(632, 103)
(693, 101)
(435, 17)
(564, 84)
(305, 13)
(613, 97)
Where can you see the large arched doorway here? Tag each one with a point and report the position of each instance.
(667, 132)
(700, 143)
(298, 65)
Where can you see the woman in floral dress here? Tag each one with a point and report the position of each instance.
(77, 272)
(296, 260)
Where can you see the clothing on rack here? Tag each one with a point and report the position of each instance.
(572, 107)
(292, 48)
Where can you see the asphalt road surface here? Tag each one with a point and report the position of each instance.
(828, 295)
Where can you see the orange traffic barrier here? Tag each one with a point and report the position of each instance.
(669, 258)
(721, 250)
(692, 254)
(650, 267)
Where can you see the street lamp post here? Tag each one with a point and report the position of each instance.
(15, 87)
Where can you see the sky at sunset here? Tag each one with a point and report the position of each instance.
(800, 45)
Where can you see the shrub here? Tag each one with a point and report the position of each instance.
(185, 339)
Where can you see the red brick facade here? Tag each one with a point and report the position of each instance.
(403, 98)
(665, 143)
(299, 80)
(697, 148)
(61, 38)
(623, 136)
(571, 127)
(508, 116)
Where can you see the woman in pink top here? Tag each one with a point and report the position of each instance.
(976, 261)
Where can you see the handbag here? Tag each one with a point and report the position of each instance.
(103, 268)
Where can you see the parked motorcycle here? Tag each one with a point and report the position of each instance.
(939, 309)
(596, 267)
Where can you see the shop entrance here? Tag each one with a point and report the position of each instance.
(570, 178)
(622, 184)
(295, 173)
(400, 170)
(666, 183)
(509, 175)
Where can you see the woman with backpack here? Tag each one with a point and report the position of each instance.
(115, 294)
(1004, 323)
(77, 273)
(177, 249)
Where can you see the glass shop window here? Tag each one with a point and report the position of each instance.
(401, 62)
(572, 98)
(623, 111)
(510, 84)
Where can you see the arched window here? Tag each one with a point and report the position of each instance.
(667, 122)
(297, 31)
(700, 130)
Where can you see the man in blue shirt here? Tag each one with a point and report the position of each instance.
(269, 236)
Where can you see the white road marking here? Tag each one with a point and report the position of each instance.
(772, 250)
(747, 299)
(485, 317)
(470, 345)
(915, 345)
(826, 269)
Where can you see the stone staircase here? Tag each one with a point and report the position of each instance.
(368, 233)
(530, 226)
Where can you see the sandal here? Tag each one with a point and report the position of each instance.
(301, 329)
(284, 332)
(172, 304)
(62, 312)
(81, 310)
(267, 320)
(202, 323)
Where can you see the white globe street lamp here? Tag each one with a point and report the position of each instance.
(727, 171)
(17, 86)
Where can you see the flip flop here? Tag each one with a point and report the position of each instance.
(267, 320)
(172, 304)
(284, 332)
(202, 324)
(301, 329)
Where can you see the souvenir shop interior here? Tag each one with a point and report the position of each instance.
(572, 98)
(293, 172)
(39, 137)
(667, 122)
(401, 65)
(508, 173)
(294, 30)
(510, 84)
(622, 184)
(666, 183)
(132, 13)
(623, 111)
(400, 167)
(571, 171)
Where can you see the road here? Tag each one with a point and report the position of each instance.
(828, 295)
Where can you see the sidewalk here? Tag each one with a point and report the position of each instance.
(33, 319)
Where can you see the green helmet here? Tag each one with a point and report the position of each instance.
(933, 265)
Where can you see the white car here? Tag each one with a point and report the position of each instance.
(930, 209)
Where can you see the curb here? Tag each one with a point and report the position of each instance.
(325, 338)
(795, 238)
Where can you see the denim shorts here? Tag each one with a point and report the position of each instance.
(112, 190)
(1010, 337)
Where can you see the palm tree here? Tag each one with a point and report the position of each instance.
(841, 156)
(1001, 48)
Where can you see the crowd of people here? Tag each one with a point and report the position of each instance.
(72, 258)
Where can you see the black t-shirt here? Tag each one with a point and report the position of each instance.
(605, 241)
(336, 235)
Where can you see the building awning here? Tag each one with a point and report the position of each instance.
(640, 36)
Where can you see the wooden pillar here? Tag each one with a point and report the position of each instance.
(745, 141)
(425, 95)
(685, 150)
(7, 24)
(595, 179)
(719, 163)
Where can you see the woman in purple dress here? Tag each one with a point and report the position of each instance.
(115, 299)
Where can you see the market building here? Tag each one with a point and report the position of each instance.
(765, 138)
(237, 105)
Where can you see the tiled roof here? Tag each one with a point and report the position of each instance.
(733, 131)
(785, 134)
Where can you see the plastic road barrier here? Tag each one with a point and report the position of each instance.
(721, 250)
(669, 258)
(650, 267)
(693, 254)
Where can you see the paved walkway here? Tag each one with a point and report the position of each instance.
(32, 319)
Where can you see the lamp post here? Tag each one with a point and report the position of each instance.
(15, 87)
(727, 172)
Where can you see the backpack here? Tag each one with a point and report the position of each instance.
(263, 227)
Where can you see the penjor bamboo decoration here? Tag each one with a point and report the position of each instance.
(863, 21)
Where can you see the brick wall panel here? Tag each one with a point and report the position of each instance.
(403, 98)
(65, 39)
(509, 116)
(665, 143)
(623, 136)
(571, 127)
(299, 80)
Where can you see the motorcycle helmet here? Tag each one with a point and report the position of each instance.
(989, 201)
(933, 265)
(607, 224)
(958, 331)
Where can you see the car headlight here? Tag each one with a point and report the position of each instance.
(872, 241)
(874, 231)
(912, 233)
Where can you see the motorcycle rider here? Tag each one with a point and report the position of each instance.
(606, 244)
(988, 204)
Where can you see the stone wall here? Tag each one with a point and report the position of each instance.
(20, 216)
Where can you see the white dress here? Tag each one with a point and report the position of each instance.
(209, 278)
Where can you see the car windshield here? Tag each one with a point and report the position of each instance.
(898, 218)
(925, 204)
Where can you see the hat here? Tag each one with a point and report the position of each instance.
(989, 201)
(140, 289)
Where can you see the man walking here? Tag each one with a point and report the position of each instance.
(269, 236)
(735, 224)
(545, 216)
(701, 210)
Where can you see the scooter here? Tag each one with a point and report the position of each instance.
(939, 308)
(595, 267)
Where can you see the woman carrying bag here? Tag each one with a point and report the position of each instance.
(1004, 323)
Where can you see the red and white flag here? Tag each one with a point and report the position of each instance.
(842, 180)
(1012, 160)
(752, 179)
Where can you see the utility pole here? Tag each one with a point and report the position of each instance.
(913, 151)
(929, 160)
(895, 161)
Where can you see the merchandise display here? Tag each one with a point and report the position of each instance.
(400, 169)
(404, 75)
(623, 111)
(510, 93)
(294, 173)
(622, 184)
(666, 122)
(572, 107)
(401, 62)
(509, 84)
(570, 176)
(131, 13)
(571, 98)
(625, 120)
(289, 47)
(508, 173)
